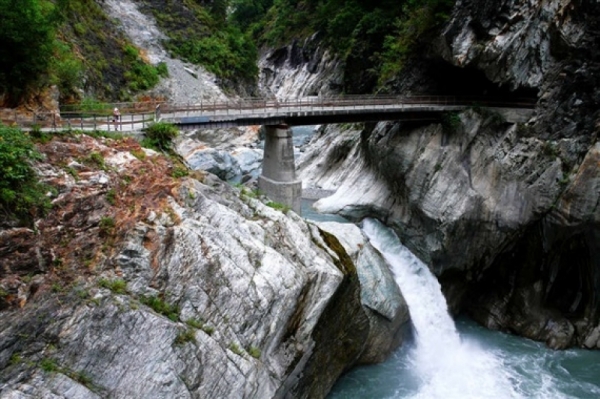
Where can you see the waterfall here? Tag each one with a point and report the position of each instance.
(446, 366)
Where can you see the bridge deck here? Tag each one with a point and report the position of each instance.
(315, 110)
(302, 111)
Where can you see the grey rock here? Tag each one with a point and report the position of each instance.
(248, 302)
(287, 72)
(380, 296)
(465, 202)
(249, 160)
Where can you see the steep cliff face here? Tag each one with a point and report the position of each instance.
(185, 83)
(139, 284)
(505, 214)
(299, 69)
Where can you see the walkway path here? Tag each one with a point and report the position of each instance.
(315, 110)
(257, 111)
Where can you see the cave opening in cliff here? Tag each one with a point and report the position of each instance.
(456, 81)
(570, 278)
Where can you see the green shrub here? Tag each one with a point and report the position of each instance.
(138, 153)
(236, 349)
(179, 171)
(162, 70)
(49, 365)
(107, 225)
(278, 206)
(39, 136)
(57, 287)
(159, 136)
(111, 196)
(171, 311)
(201, 325)
(81, 378)
(95, 159)
(451, 122)
(15, 358)
(183, 336)
(254, 352)
(140, 76)
(118, 286)
(196, 323)
(208, 329)
(21, 194)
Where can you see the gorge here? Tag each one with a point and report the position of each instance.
(143, 281)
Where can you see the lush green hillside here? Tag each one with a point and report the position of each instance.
(112, 66)
(199, 32)
(74, 45)
(373, 36)
(71, 44)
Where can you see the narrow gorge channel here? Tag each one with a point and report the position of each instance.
(448, 358)
(444, 360)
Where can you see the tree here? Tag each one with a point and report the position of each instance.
(247, 12)
(21, 194)
(27, 31)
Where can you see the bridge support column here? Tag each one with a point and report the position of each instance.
(278, 179)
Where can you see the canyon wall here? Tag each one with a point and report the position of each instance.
(504, 213)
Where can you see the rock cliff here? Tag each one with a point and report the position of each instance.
(140, 283)
(504, 213)
(300, 69)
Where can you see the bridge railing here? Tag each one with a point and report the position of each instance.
(353, 102)
(139, 114)
(79, 120)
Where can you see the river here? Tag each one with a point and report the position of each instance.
(456, 359)
(446, 359)
(535, 370)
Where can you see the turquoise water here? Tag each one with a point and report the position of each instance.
(534, 370)
(490, 363)
(309, 213)
(448, 360)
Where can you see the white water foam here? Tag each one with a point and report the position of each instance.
(447, 366)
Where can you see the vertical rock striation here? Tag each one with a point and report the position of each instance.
(138, 285)
(505, 214)
(299, 70)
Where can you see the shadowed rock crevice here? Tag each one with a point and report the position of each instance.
(546, 287)
(335, 350)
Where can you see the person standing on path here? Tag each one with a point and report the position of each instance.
(116, 116)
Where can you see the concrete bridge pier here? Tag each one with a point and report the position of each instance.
(278, 178)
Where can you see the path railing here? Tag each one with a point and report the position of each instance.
(349, 101)
(138, 115)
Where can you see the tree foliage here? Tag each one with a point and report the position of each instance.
(21, 194)
(374, 37)
(159, 136)
(27, 29)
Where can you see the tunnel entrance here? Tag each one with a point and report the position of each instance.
(455, 81)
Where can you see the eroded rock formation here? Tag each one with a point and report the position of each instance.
(505, 214)
(138, 284)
